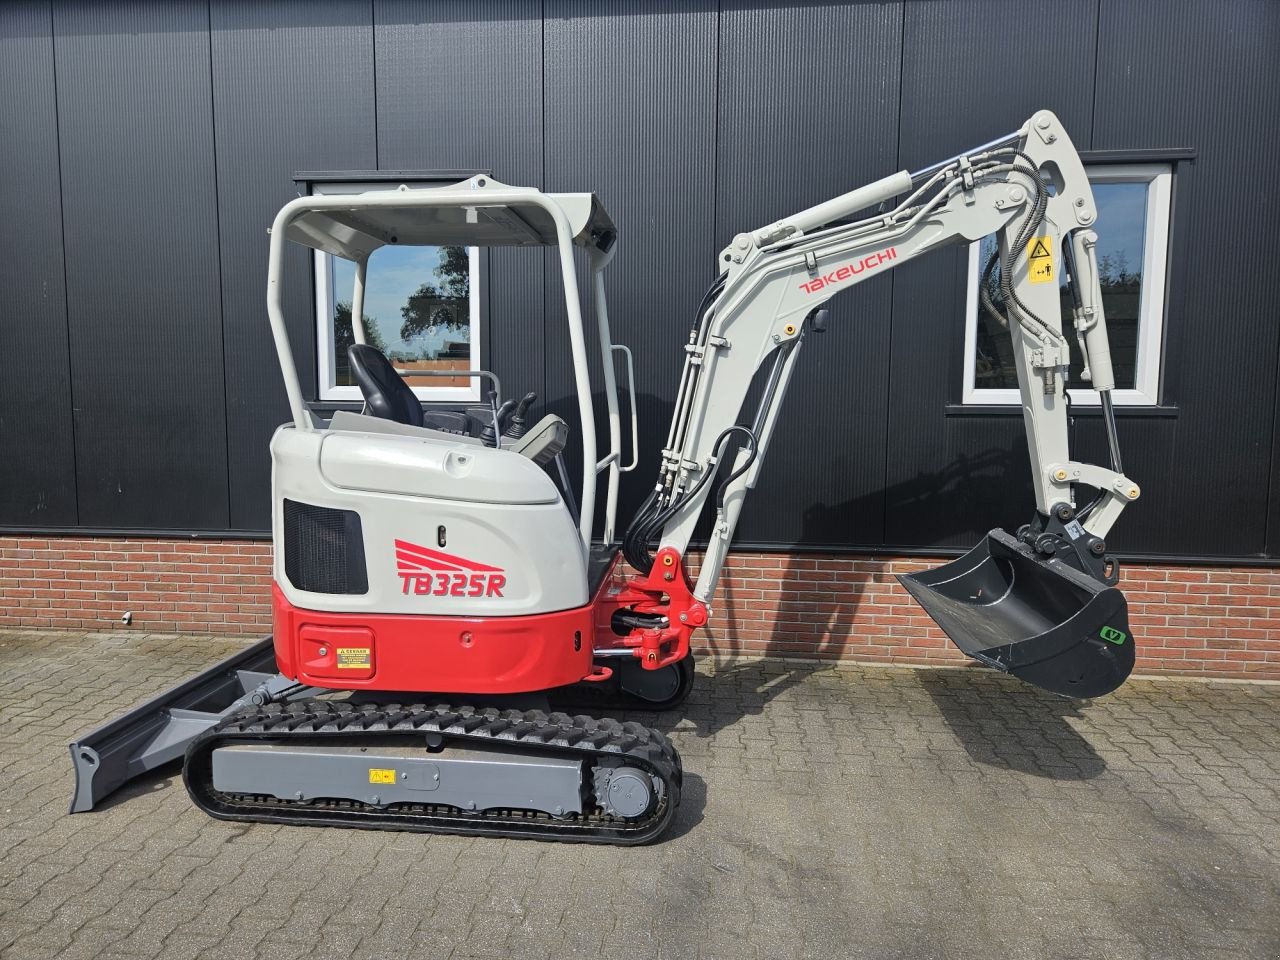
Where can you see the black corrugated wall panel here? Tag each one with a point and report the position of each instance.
(630, 115)
(1273, 498)
(148, 144)
(37, 471)
(459, 86)
(972, 70)
(808, 110)
(1204, 76)
(292, 91)
(1147, 445)
(136, 130)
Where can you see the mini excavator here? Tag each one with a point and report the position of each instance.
(437, 575)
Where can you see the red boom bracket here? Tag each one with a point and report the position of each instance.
(665, 591)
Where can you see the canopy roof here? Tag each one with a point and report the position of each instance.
(479, 212)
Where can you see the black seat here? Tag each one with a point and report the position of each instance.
(386, 395)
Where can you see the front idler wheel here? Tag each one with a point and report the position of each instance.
(661, 689)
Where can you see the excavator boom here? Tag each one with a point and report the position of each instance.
(1041, 604)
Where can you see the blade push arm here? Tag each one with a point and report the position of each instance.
(1031, 190)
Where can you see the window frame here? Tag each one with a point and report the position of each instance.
(1152, 310)
(325, 298)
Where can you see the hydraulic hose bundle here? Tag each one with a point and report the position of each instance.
(660, 507)
(1032, 224)
(1016, 306)
(666, 499)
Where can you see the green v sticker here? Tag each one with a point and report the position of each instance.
(1112, 635)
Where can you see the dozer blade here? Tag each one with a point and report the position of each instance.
(159, 730)
(1040, 620)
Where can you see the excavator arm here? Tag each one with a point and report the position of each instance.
(1030, 190)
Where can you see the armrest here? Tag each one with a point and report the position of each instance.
(543, 441)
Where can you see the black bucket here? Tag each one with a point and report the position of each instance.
(1041, 620)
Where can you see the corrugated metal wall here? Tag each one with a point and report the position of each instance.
(38, 464)
(146, 146)
(292, 89)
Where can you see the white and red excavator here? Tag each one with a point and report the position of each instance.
(440, 572)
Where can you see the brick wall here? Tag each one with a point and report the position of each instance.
(1191, 621)
(173, 586)
(1203, 621)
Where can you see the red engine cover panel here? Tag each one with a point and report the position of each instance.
(339, 653)
(432, 654)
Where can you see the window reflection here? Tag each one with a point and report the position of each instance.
(1121, 228)
(417, 311)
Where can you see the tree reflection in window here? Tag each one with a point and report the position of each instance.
(417, 311)
(1121, 228)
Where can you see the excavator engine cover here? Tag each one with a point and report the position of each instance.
(1041, 620)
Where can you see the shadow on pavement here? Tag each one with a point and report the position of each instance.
(164, 777)
(1004, 723)
(1001, 722)
(737, 689)
(693, 801)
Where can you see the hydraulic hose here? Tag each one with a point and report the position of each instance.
(639, 530)
(631, 548)
(751, 458)
(643, 527)
(1033, 221)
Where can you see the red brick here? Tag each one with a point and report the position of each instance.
(1222, 622)
(1246, 655)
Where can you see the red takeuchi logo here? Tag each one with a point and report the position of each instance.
(850, 270)
(428, 572)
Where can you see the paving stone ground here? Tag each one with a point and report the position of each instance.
(828, 813)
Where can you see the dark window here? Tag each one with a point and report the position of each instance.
(1132, 228)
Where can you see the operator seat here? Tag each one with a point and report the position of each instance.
(386, 395)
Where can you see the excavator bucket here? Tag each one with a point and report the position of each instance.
(1041, 620)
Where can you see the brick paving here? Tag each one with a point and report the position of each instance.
(861, 812)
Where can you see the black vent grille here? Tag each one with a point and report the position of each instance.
(323, 549)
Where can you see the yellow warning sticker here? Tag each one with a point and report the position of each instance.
(1040, 259)
(354, 658)
(379, 775)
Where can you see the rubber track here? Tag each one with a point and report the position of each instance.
(329, 722)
